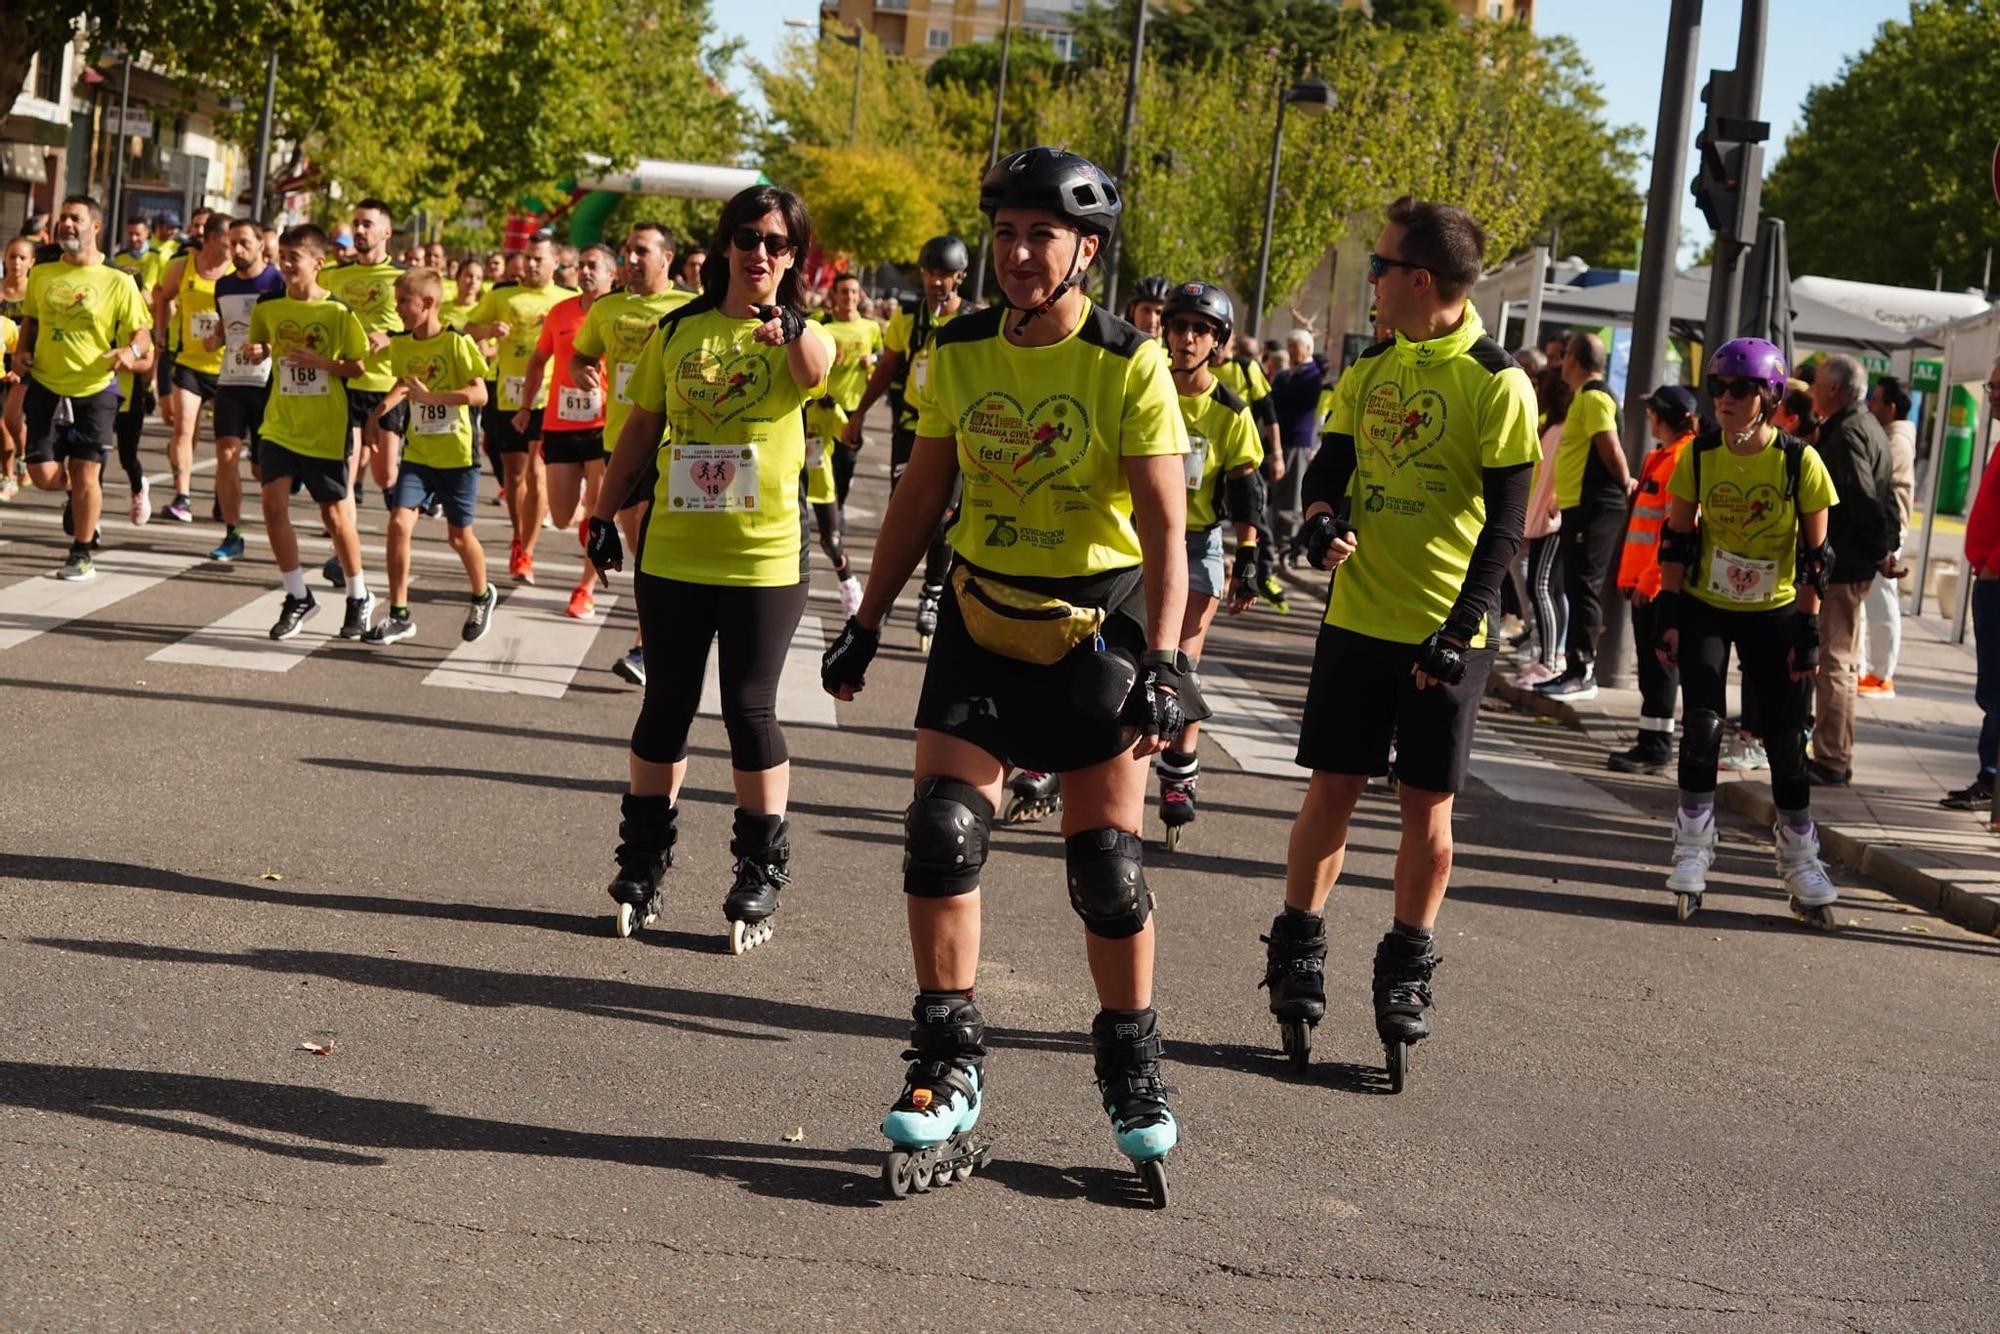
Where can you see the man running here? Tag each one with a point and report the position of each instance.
(572, 445)
(185, 303)
(1432, 439)
(83, 323)
(366, 285)
(242, 384)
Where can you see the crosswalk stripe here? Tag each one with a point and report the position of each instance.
(1519, 774)
(242, 639)
(43, 602)
(533, 647)
(802, 701)
(1251, 730)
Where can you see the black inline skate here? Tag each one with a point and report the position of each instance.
(1127, 1048)
(1178, 772)
(1295, 974)
(1031, 795)
(646, 836)
(763, 858)
(1403, 968)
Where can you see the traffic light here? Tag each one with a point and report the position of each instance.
(1730, 178)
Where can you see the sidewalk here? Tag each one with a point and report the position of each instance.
(1909, 751)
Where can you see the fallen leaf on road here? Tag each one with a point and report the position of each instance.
(315, 1048)
(795, 1134)
(1926, 930)
(270, 875)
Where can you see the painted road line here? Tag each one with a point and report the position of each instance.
(1519, 774)
(43, 602)
(1257, 734)
(533, 647)
(242, 639)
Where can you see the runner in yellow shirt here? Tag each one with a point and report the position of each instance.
(16, 259)
(184, 302)
(858, 346)
(366, 284)
(724, 378)
(1057, 648)
(1419, 494)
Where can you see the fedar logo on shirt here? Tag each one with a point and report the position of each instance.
(1402, 428)
(724, 388)
(1024, 449)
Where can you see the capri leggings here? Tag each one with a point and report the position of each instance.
(752, 628)
(1762, 639)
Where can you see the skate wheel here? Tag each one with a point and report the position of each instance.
(747, 936)
(1397, 1055)
(963, 1172)
(897, 1178)
(1154, 1174)
(1685, 905)
(1819, 918)
(626, 922)
(920, 1174)
(1296, 1035)
(924, 645)
(1011, 812)
(1173, 837)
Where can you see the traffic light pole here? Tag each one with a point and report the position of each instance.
(1732, 119)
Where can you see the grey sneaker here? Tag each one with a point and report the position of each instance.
(480, 618)
(78, 568)
(390, 628)
(356, 623)
(632, 667)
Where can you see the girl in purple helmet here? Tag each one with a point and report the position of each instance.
(1748, 575)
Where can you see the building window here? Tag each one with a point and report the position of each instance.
(49, 73)
(1496, 9)
(1063, 42)
(939, 39)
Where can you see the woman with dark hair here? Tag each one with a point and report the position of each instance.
(724, 377)
(1543, 534)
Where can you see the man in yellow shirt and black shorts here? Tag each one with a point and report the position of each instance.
(1057, 646)
(1418, 494)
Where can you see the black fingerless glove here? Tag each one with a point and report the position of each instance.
(1243, 573)
(846, 663)
(790, 321)
(1805, 641)
(1440, 660)
(1153, 706)
(602, 546)
(1318, 534)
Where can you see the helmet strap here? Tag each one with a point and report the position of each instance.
(1062, 288)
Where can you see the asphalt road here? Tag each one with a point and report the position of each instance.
(1622, 1123)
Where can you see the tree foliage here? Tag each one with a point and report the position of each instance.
(1888, 176)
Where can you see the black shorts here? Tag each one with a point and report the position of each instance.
(361, 402)
(573, 446)
(325, 479)
(69, 430)
(1362, 698)
(163, 371)
(502, 438)
(1020, 713)
(239, 411)
(199, 383)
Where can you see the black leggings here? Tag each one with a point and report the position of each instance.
(1763, 639)
(937, 560)
(828, 519)
(125, 429)
(752, 627)
(843, 470)
(1658, 683)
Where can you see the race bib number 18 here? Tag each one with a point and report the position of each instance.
(712, 478)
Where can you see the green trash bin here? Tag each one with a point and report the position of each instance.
(1961, 418)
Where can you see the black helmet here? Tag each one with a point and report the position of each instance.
(944, 254)
(1153, 288)
(1209, 302)
(1071, 187)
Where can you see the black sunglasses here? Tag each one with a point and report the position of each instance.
(749, 238)
(1381, 264)
(1728, 386)
(1192, 328)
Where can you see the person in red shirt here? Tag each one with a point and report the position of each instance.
(1982, 558)
(572, 444)
(1674, 417)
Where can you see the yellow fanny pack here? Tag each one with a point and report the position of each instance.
(1019, 624)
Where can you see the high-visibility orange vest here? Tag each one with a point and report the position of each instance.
(1639, 563)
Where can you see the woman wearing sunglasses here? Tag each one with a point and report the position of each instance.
(720, 559)
(1748, 576)
(1056, 645)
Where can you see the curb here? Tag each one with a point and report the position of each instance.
(1897, 868)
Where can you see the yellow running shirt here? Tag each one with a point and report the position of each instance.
(306, 410)
(615, 332)
(440, 435)
(1221, 439)
(1427, 419)
(522, 309)
(726, 509)
(904, 336)
(1042, 433)
(1245, 379)
(855, 341)
(823, 427)
(195, 318)
(81, 311)
(369, 290)
(1749, 527)
(1579, 470)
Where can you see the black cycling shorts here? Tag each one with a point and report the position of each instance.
(1362, 698)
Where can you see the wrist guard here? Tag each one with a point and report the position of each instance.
(1445, 662)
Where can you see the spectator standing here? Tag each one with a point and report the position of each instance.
(1882, 608)
(1593, 484)
(1982, 557)
(1865, 530)
(1673, 416)
(1295, 396)
(1545, 596)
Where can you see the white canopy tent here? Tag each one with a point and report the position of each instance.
(1971, 347)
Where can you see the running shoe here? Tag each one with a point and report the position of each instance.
(390, 628)
(1742, 752)
(294, 614)
(521, 566)
(356, 623)
(231, 549)
(850, 596)
(142, 504)
(1974, 796)
(9, 488)
(1825, 775)
(1875, 687)
(178, 510)
(1273, 594)
(480, 619)
(632, 667)
(582, 601)
(1577, 683)
(334, 574)
(1534, 674)
(78, 568)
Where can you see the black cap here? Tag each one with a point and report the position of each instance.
(1673, 400)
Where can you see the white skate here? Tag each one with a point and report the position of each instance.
(1812, 892)
(1694, 852)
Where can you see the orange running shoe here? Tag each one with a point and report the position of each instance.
(521, 567)
(582, 601)
(1876, 687)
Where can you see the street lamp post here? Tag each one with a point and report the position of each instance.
(118, 156)
(993, 148)
(1313, 98)
(260, 168)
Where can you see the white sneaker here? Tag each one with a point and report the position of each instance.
(1533, 675)
(142, 503)
(1694, 853)
(850, 596)
(1805, 876)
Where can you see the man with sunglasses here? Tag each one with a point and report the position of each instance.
(1593, 484)
(1420, 494)
(1982, 557)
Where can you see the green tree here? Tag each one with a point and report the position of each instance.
(1887, 178)
(1415, 15)
(1594, 202)
(867, 204)
(977, 64)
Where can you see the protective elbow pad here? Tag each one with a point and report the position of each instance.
(1677, 547)
(944, 839)
(1243, 496)
(1815, 564)
(1107, 882)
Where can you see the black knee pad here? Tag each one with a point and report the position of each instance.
(1701, 737)
(944, 839)
(1107, 882)
(1786, 749)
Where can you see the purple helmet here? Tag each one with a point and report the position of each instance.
(1752, 359)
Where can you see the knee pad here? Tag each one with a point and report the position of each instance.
(1107, 882)
(1786, 749)
(944, 839)
(1701, 737)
